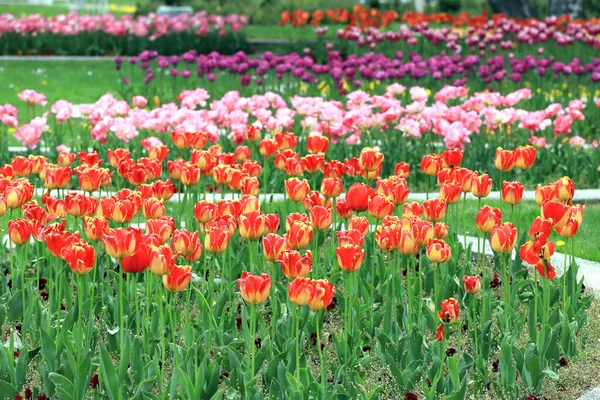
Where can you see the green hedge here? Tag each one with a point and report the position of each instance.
(100, 43)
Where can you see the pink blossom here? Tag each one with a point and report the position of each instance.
(31, 97)
(538, 142)
(140, 101)
(151, 142)
(418, 94)
(29, 135)
(562, 124)
(577, 142)
(62, 109)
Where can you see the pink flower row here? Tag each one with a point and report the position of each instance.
(453, 114)
(151, 25)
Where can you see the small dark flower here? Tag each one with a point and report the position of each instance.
(9, 284)
(563, 362)
(332, 305)
(18, 397)
(28, 393)
(313, 338)
(404, 273)
(18, 327)
(330, 338)
(93, 382)
(43, 397)
(496, 282)
(42, 283)
(160, 364)
(258, 342)
(495, 365)
(465, 327)
(207, 275)
(63, 307)
(238, 323)
(16, 354)
(582, 288)
(225, 374)
(44, 295)
(330, 379)
(532, 397)
(411, 396)
(428, 382)
(450, 351)
(366, 348)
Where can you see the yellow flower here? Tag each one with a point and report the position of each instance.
(560, 243)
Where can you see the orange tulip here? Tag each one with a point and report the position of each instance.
(250, 186)
(65, 158)
(178, 279)
(370, 159)
(380, 206)
(524, 157)
(273, 246)
(350, 237)
(440, 231)
(254, 288)
(431, 164)
(271, 223)
(299, 235)
(217, 240)
(57, 177)
(438, 251)
(413, 209)
(311, 163)
(402, 170)
(301, 291)
(450, 192)
(450, 311)
(472, 284)
(163, 227)
(80, 256)
(296, 189)
(565, 189)
(320, 217)
(94, 228)
(120, 242)
(186, 243)
(451, 158)
(161, 259)
(204, 211)
(361, 224)
(557, 212)
(323, 294)
(481, 186)
(19, 231)
(317, 144)
(252, 225)
(21, 166)
(503, 238)
(512, 192)
(350, 258)
(341, 206)
(190, 174)
(294, 265)
(488, 218)
(504, 159)
(243, 153)
(331, 187)
(153, 208)
(286, 140)
(434, 210)
(546, 193)
(267, 147)
(164, 190)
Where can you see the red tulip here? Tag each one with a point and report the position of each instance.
(294, 265)
(317, 144)
(434, 210)
(431, 164)
(161, 259)
(504, 159)
(503, 238)
(451, 158)
(217, 240)
(296, 189)
(342, 208)
(438, 251)
(358, 196)
(488, 218)
(450, 311)
(350, 258)
(299, 235)
(557, 212)
(80, 256)
(254, 288)
(512, 192)
(481, 186)
(331, 187)
(178, 279)
(19, 231)
(120, 242)
(273, 246)
(323, 294)
(524, 157)
(252, 225)
(472, 284)
(301, 291)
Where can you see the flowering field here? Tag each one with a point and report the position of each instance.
(213, 226)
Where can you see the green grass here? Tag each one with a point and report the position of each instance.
(49, 11)
(80, 82)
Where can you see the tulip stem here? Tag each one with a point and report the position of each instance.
(298, 311)
(321, 357)
(252, 337)
(172, 311)
(120, 289)
(419, 302)
(564, 282)
(506, 292)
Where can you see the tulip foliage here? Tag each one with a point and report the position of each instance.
(179, 274)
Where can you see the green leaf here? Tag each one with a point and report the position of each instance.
(551, 374)
(108, 375)
(7, 390)
(63, 384)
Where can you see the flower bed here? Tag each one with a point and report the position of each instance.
(75, 34)
(245, 298)
(403, 123)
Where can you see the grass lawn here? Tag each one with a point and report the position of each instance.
(57, 80)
